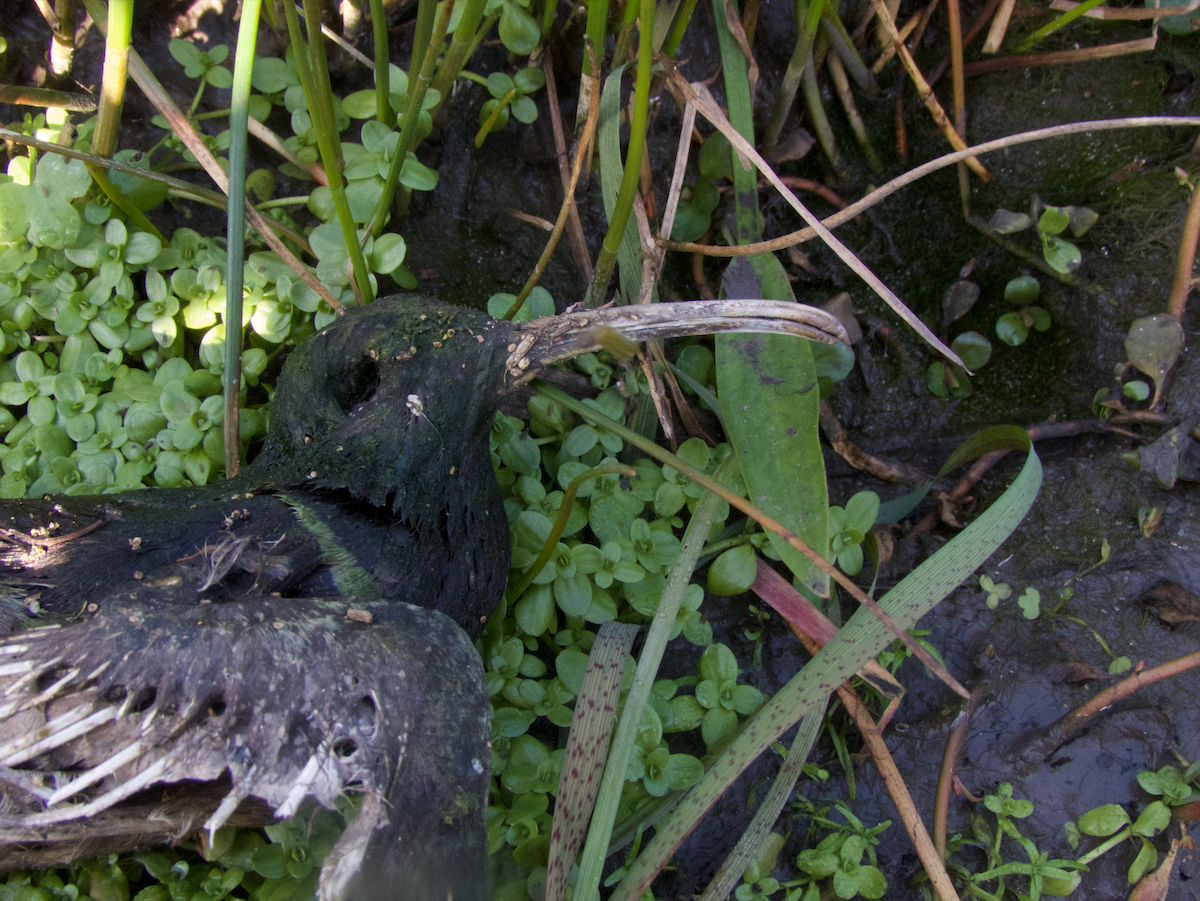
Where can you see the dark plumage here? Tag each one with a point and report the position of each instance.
(222, 654)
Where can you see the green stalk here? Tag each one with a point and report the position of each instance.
(595, 850)
(383, 106)
(459, 51)
(116, 68)
(108, 113)
(820, 121)
(681, 24)
(597, 28)
(808, 17)
(1050, 27)
(235, 229)
(320, 107)
(843, 45)
(426, 10)
(633, 160)
(412, 111)
(624, 39)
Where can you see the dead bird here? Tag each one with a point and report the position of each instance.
(228, 653)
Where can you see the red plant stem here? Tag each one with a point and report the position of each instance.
(1080, 716)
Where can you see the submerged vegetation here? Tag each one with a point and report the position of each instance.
(120, 372)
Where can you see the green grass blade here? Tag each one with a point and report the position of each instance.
(383, 106)
(587, 746)
(596, 848)
(320, 107)
(619, 214)
(861, 639)
(628, 254)
(112, 86)
(235, 229)
(752, 839)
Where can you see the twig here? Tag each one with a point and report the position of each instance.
(1122, 12)
(954, 746)
(807, 234)
(579, 251)
(19, 536)
(1046, 741)
(1059, 57)
(925, 91)
(1187, 258)
(999, 27)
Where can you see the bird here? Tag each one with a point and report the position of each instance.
(226, 654)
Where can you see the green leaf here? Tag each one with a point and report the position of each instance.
(1153, 345)
(499, 84)
(534, 612)
(1030, 603)
(1153, 820)
(62, 178)
(1063, 256)
(524, 110)
(1053, 221)
(683, 771)
(973, 348)
(185, 52)
(733, 571)
(1011, 329)
(767, 386)
(416, 176)
(518, 30)
(388, 252)
(1146, 859)
(719, 724)
(1023, 289)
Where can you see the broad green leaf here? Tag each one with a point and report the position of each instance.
(518, 30)
(767, 386)
(1153, 345)
(733, 572)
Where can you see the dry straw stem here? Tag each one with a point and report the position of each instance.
(1060, 57)
(925, 91)
(27, 96)
(568, 206)
(697, 94)
(920, 18)
(579, 251)
(999, 27)
(807, 234)
(1112, 12)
